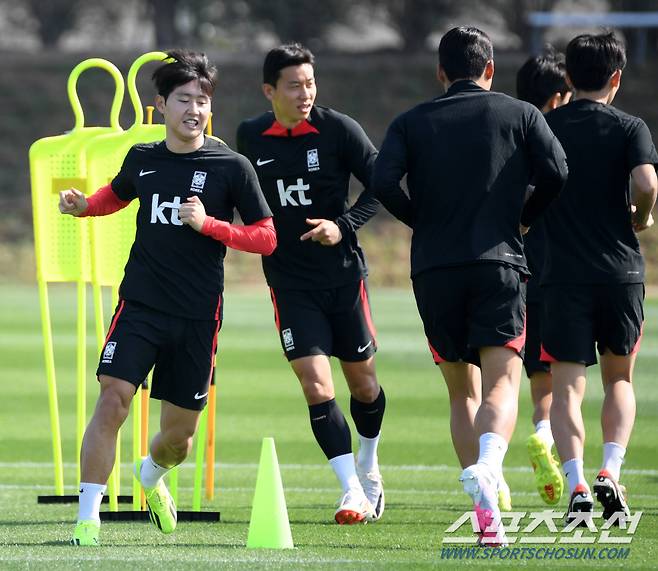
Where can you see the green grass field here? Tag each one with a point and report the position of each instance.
(257, 397)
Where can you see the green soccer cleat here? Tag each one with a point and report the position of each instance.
(161, 506)
(504, 495)
(548, 478)
(86, 533)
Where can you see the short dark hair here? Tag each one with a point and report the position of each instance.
(181, 67)
(541, 76)
(284, 56)
(592, 59)
(464, 53)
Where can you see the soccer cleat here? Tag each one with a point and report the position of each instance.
(373, 487)
(354, 507)
(504, 495)
(611, 495)
(86, 533)
(160, 504)
(581, 501)
(548, 478)
(482, 487)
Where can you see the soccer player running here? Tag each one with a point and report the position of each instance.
(304, 155)
(593, 276)
(170, 307)
(469, 156)
(541, 80)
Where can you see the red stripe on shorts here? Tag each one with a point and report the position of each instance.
(517, 343)
(363, 294)
(636, 347)
(545, 356)
(435, 354)
(214, 349)
(114, 321)
(276, 311)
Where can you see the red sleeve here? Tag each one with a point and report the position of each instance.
(258, 238)
(104, 201)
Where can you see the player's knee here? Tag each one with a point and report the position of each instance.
(316, 390)
(113, 407)
(179, 441)
(366, 391)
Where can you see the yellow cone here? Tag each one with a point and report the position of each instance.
(269, 526)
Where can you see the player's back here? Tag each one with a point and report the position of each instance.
(469, 156)
(590, 235)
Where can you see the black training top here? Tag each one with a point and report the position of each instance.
(590, 238)
(534, 246)
(305, 173)
(173, 268)
(469, 156)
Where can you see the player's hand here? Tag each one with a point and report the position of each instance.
(325, 231)
(192, 213)
(640, 225)
(523, 229)
(72, 202)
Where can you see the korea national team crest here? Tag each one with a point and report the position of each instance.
(198, 181)
(108, 353)
(313, 160)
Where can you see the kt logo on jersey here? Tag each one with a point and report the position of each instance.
(158, 211)
(287, 193)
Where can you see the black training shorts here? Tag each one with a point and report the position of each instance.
(181, 350)
(334, 322)
(465, 308)
(578, 319)
(532, 359)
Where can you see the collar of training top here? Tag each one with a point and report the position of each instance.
(463, 85)
(278, 130)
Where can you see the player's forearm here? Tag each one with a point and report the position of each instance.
(103, 202)
(644, 188)
(396, 202)
(257, 238)
(363, 210)
(545, 191)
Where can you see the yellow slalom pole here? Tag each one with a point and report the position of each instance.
(210, 440)
(144, 442)
(137, 445)
(81, 365)
(114, 484)
(49, 357)
(198, 468)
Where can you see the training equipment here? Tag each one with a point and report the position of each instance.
(548, 478)
(86, 534)
(611, 495)
(580, 501)
(373, 487)
(482, 487)
(269, 526)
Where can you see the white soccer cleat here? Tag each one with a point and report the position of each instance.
(373, 487)
(354, 507)
(480, 484)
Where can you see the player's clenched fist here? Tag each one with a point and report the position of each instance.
(193, 213)
(326, 232)
(72, 202)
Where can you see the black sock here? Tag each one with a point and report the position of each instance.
(330, 429)
(368, 416)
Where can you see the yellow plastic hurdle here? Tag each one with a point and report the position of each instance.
(61, 242)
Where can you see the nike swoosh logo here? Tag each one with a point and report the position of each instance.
(261, 162)
(362, 349)
(144, 173)
(197, 396)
